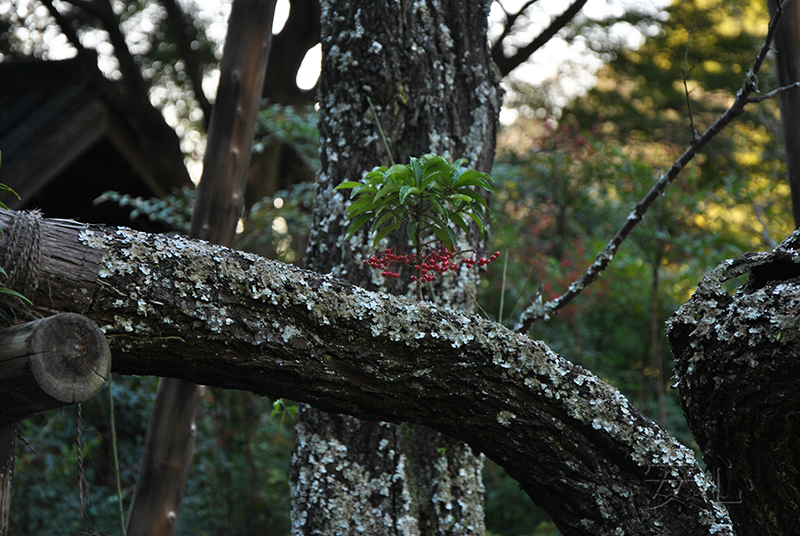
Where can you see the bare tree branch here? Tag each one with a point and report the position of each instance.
(774, 92)
(511, 18)
(87, 56)
(539, 310)
(506, 65)
(686, 87)
(178, 23)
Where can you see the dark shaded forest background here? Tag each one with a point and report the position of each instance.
(574, 160)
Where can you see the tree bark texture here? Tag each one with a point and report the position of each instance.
(206, 314)
(787, 59)
(427, 69)
(169, 444)
(738, 375)
(50, 363)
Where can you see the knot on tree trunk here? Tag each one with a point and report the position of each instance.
(738, 374)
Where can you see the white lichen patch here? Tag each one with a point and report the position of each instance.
(505, 417)
(289, 332)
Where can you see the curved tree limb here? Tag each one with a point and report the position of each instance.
(206, 314)
(538, 310)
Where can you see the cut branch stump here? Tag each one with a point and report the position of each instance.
(50, 363)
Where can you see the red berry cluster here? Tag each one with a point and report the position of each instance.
(435, 261)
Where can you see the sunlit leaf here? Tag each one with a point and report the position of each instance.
(363, 189)
(474, 178)
(475, 196)
(343, 186)
(359, 206)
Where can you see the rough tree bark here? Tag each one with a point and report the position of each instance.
(428, 71)
(206, 314)
(738, 374)
(787, 59)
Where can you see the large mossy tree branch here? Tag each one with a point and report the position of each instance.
(210, 315)
(738, 374)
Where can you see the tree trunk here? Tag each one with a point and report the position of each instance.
(787, 46)
(206, 314)
(738, 374)
(429, 75)
(169, 445)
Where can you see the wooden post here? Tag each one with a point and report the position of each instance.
(50, 363)
(45, 364)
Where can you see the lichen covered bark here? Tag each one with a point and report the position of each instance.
(209, 315)
(427, 69)
(739, 380)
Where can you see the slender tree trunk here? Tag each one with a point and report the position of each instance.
(787, 45)
(169, 445)
(427, 70)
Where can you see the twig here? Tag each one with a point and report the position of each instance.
(380, 130)
(511, 18)
(686, 87)
(758, 211)
(538, 311)
(506, 65)
(774, 93)
(503, 290)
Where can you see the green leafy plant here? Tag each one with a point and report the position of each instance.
(427, 195)
(5, 188)
(9, 292)
(430, 198)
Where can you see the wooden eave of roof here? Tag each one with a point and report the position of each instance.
(47, 127)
